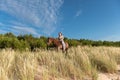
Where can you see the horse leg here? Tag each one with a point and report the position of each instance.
(58, 49)
(66, 48)
(66, 51)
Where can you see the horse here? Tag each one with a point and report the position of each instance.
(56, 43)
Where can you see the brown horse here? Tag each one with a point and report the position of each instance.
(57, 44)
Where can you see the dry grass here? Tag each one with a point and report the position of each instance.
(80, 63)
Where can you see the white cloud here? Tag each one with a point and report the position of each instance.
(115, 37)
(43, 14)
(17, 28)
(1, 24)
(2, 31)
(78, 13)
(25, 30)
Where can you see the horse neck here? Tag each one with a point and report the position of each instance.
(56, 42)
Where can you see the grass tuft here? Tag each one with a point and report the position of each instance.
(81, 63)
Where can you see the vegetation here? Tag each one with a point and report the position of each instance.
(29, 42)
(81, 63)
(84, 59)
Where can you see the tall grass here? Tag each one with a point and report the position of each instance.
(81, 63)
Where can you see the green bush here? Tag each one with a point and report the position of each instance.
(28, 41)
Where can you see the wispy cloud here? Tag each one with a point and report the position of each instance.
(18, 28)
(1, 24)
(25, 30)
(115, 37)
(78, 13)
(42, 14)
(2, 31)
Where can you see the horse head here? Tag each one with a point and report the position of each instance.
(49, 40)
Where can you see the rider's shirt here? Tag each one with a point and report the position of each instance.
(61, 38)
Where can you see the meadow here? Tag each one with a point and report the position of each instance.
(80, 63)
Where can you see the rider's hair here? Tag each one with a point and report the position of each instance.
(60, 33)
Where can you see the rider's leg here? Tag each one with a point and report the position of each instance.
(63, 44)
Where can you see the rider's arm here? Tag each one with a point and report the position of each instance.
(62, 37)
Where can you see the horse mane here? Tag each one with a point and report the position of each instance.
(52, 38)
(55, 40)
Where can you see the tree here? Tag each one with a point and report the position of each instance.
(10, 35)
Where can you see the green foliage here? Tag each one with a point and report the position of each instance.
(28, 41)
(73, 42)
(10, 35)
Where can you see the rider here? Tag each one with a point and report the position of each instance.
(61, 38)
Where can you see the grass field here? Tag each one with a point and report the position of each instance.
(81, 63)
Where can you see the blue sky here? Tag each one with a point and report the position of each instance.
(88, 19)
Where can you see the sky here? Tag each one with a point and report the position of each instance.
(76, 19)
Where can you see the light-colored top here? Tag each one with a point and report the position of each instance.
(61, 37)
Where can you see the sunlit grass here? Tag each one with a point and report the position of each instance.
(80, 63)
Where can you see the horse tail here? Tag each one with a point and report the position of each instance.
(67, 45)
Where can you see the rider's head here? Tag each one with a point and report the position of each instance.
(60, 33)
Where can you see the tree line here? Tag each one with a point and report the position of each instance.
(29, 42)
